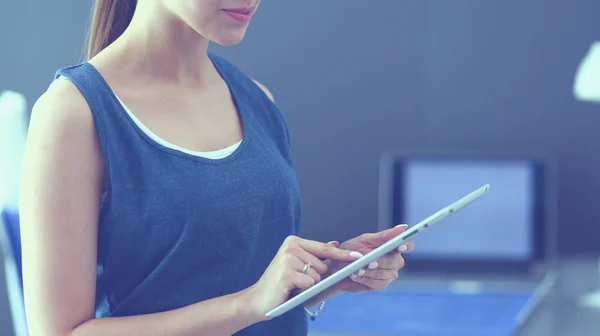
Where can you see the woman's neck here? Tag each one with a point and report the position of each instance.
(160, 45)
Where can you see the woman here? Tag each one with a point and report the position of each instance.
(158, 192)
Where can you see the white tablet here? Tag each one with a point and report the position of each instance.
(378, 252)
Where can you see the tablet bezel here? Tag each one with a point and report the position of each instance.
(379, 252)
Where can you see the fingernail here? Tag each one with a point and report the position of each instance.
(402, 225)
(373, 265)
(333, 242)
(356, 255)
(361, 272)
(354, 276)
(402, 248)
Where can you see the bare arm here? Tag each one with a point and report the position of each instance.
(62, 177)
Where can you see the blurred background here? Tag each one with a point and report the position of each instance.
(362, 78)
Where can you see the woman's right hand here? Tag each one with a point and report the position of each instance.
(284, 274)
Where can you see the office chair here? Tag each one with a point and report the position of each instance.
(11, 247)
(13, 121)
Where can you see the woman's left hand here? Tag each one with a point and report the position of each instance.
(377, 275)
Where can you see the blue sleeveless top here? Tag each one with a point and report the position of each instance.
(176, 228)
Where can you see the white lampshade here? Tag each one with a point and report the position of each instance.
(587, 79)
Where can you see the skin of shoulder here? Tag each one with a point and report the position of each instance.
(61, 182)
(265, 90)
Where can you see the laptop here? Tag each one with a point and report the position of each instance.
(483, 271)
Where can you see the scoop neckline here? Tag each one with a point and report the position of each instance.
(187, 154)
(212, 155)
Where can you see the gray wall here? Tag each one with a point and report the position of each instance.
(354, 79)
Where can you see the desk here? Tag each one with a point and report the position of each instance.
(560, 313)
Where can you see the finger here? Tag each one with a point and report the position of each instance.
(312, 272)
(380, 274)
(291, 261)
(391, 261)
(379, 238)
(410, 246)
(317, 264)
(406, 247)
(360, 272)
(384, 264)
(373, 284)
(327, 251)
(314, 275)
(302, 281)
(334, 243)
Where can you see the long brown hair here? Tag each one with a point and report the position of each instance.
(109, 21)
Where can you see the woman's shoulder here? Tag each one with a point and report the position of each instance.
(61, 117)
(264, 89)
(240, 75)
(62, 100)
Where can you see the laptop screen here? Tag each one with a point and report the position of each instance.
(498, 226)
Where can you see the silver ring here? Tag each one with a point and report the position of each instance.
(306, 268)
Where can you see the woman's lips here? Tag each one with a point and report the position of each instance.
(240, 14)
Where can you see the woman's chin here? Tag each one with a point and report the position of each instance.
(230, 38)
